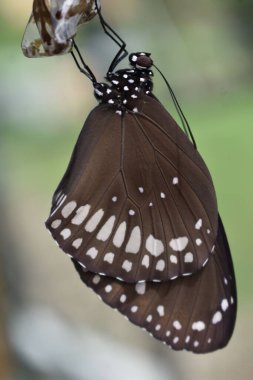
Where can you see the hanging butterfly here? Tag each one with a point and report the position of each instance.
(137, 205)
(53, 24)
(137, 201)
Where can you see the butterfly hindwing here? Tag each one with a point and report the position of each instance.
(137, 201)
(196, 313)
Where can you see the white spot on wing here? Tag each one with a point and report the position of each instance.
(94, 220)
(65, 233)
(134, 309)
(119, 236)
(160, 310)
(106, 230)
(224, 304)
(134, 242)
(108, 288)
(154, 246)
(145, 261)
(160, 265)
(109, 257)
(140, 288)
(149, 318)
(123, 298)
(175, 181)
(92, 252)
(179, 244)
(198, 242)
(127, 265)
(56, 223)
(198, 326)
(188, 258)
(96, 279)
(217, 317)
(173, 259)
(198, 225)
(81, 214)
(68, 209)
(177, 325)
(77, 243)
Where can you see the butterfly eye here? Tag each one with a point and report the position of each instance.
(141, 60)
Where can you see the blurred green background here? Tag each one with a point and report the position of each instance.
(205, 49)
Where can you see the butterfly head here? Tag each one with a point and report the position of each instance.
(141, 60)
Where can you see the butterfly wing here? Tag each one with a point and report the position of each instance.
(137, 201)
(196, 313)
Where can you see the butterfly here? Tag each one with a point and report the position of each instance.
(136, 211)
(53, 24)
(137, 201)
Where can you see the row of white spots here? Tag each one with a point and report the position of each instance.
(154, 246)
(196, 326)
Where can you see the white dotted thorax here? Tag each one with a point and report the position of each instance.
(127, 86)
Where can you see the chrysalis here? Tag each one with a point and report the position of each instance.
(53, 24)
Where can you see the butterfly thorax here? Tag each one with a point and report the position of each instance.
(126, 86)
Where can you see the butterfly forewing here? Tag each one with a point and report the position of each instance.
(196, 313)
(137, 201)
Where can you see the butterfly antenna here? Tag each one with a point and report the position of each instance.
(85, 69)
(122, 53)
(183, 119)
